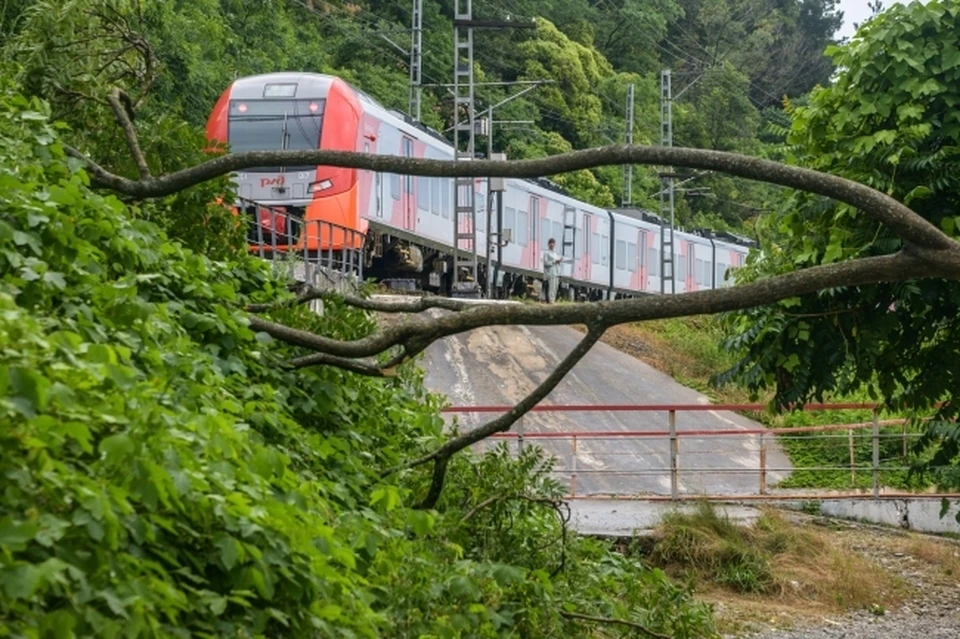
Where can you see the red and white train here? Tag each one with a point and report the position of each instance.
(406, 222)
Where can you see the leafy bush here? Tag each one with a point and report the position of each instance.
(164, 476)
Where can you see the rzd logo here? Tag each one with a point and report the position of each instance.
(277, 181)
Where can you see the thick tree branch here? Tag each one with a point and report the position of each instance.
(442, 455)
(619, 622)
(910, 226)
(411, 305)
(418, 332)
(125, 122)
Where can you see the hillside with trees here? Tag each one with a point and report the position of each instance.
(168, 472)
(732, 61)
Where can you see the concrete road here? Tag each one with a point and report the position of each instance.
(499, 365)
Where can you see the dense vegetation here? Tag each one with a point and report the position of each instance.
(164, 476)
(891, 121)
(733, 61)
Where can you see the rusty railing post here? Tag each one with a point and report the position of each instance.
(763, 466)
(573, 470)
(876, 453)
(674, 453)
(520, 437)
(853, 460)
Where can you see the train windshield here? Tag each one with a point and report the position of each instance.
(274, 125)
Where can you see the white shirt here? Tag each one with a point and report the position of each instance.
(550, 265)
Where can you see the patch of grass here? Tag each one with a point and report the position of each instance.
(774, 560)
(944, 558)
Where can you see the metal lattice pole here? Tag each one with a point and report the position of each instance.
(667, 191)
(628, 168)
(465, 212)
(416, 59)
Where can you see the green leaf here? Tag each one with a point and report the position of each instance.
(230, 551)
(117, 448)
(218, 606)
(55, 279)
(20, 581)
(15, 535)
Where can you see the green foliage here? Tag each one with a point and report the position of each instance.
(72, 52)
(165, 476)
(889, 121)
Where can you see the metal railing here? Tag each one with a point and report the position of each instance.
(680, 463)
(277, 234)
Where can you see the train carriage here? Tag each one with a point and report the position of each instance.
(403, 224)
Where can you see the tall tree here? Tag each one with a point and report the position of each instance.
(890, 121)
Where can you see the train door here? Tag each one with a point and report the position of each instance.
(377, 188)
(409, 201)
(536, 242)
(691, 282)
(642, 259)
(583, 272)
(568, 246)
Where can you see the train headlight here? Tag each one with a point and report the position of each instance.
(322, 185)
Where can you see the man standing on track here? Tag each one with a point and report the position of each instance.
(551, 269)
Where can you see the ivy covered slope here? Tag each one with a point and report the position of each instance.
(163, 476)
(892, 121)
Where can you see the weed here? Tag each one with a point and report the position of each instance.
(774, 559)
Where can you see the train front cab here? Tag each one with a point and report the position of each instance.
(309, 210)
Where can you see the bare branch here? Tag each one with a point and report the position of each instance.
(619, 622)
(489, 501)
(417, 332)
(351, 365)
(503, 423)
(910, 226)
(411, 305)
(123, 119)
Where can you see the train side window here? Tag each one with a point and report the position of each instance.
(423, 194)
(510, 221)
(631, 257)
(395, 186)
(621, 256)
(448, 199)
(435, 195)
(653, 260)
(596, 248)
(558, 236)
(523, 228)
(604, 249)
(545, 231)
(681, 266)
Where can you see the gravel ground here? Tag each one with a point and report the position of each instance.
(933, 614)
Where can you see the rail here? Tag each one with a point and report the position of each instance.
(747, 463)
(274, 232)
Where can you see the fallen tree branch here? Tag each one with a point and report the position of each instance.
(620, 622)
(421, 332)
(910, 226)
(442, 455)
(413, 305)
